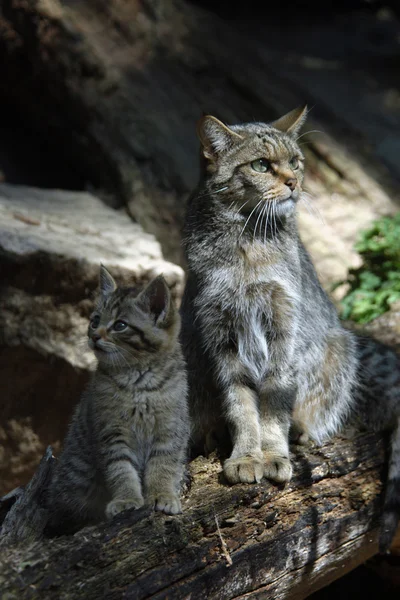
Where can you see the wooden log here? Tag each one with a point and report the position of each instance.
(258, 541)
(28, 516)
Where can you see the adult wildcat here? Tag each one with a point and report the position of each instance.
(127, 442)
(264, 345)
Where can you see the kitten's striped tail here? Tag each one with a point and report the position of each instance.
(391, 508)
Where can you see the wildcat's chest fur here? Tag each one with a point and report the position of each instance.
(246, 294)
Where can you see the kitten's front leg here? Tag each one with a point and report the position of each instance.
(162, 478)
(246, 463)
(277, 397)
(123, 482)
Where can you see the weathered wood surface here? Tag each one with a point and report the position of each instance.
(28, 516)
(120, 85)
(258, 541)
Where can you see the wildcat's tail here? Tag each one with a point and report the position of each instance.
(391, 508)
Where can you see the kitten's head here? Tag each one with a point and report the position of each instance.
(254, 162)
(129, 327)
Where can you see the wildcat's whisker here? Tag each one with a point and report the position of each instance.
(240, 208)
(214, 192)
(273, 221)
(267, 222)
(258, 218)
(249, 217)
(264, 208)
(266, 217)
(312, 210)
(311, 131)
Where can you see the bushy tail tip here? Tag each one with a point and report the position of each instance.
(391, 508)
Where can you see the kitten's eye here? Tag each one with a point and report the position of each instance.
(120, 325)
(294, 162)
(260, 165)
(95, 321)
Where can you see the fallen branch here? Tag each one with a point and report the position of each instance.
(278, 542)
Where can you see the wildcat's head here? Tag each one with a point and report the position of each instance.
(254, 162)
(129, 327)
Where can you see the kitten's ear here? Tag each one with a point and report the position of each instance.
(215, 137)
(156, 300)
(107, 283)
(293, 121)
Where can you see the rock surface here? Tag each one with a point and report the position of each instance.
(51, 245)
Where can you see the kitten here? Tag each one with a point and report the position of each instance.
(126, 446)
(264, 345)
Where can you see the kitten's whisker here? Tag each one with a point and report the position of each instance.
(128, 352)
(120, 355)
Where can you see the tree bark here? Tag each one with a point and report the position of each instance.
(258, 541)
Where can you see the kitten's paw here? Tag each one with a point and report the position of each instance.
(277, 468)
(116, 506)
(170, 504)
(245, 469)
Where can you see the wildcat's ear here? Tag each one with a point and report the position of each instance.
(107, 283)
(293, 121)
(156, 300)
(215, 137)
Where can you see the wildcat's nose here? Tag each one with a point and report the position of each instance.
(291, 183)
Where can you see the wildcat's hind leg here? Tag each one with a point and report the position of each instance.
(325, 392)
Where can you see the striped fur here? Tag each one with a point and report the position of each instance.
(265, 349)
(126, 446)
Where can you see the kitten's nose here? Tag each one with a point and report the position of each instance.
(291, 183)
(96, 337)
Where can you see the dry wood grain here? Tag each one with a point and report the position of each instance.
(282, 542)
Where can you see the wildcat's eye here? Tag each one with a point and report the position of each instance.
(260, 165)
(120, 325)
(294, 162)
(95, 321)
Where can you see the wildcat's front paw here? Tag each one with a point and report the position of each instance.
(245, 469)
(277, 468)
(116, 506)
(170, 504)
